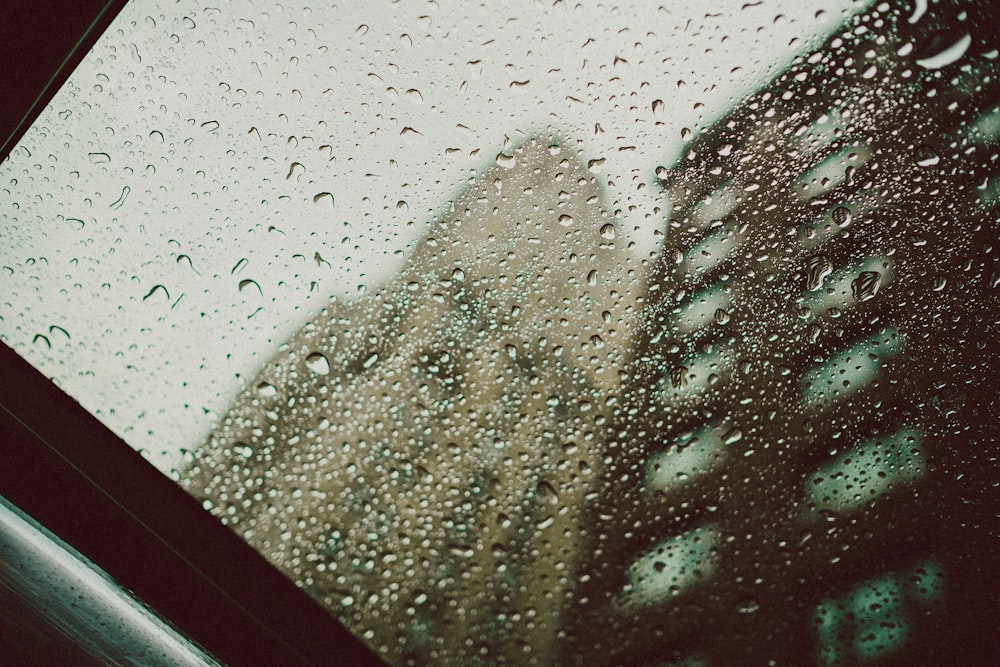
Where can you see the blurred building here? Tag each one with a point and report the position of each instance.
(810, 412)
(420, 460)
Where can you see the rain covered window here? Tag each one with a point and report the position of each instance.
(548, 333)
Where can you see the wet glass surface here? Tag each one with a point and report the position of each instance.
(549, 334)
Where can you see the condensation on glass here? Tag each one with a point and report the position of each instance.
(603, 360)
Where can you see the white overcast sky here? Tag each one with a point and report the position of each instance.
(145, 171)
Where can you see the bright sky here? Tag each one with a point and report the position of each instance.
(187, 155)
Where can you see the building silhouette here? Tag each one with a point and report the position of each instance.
(779, 447)
(420, 460)
(811, 413)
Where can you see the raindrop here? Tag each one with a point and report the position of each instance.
(55, 327)
(948, 55)
(926, 157)
(506, 161)
(732, 436)
(678, 377)
(546, 493)
(157, 289)
(370, 361)
(841, 216)
(866, 285)
(121, 198)
(596, 164)
(608, 231)
(184, 259)
(817, 268)
(246, 283)
(565, 220)
(657, 107)
(747, 605)
(321, 195)
(99, 158)
(210, 125)
(292, 169)
(318, 364)
(40, 338)
(266, 390)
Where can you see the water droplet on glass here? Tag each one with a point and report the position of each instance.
(55, 327)
(318, 364)
(926, 157)
(747, 605)
(657, 107)
(817, 268)
(121, 198)
(841, 216)
(247, 283)
(596, 164)
(506, 161)
(99, 158)
(947, 55)
(678, 377)
(866, 285)
(546, 493)
(157, 289)
(608, 231)
(565, 220)
(322, 195)
(266, 390)
(732, 436)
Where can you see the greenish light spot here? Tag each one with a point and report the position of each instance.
(867, 471)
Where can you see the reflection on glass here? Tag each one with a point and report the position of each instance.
(731, 407)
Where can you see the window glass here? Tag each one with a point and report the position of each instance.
(540, 333)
